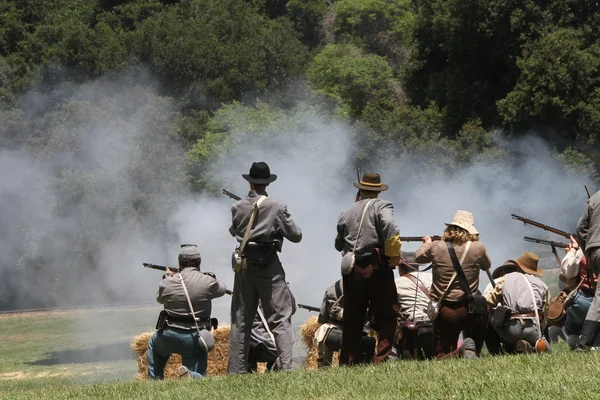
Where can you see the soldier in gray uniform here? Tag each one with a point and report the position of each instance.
(370, 283)
(177, 331)
(516, 315)
(329, 334)
(588, 235)
(262, 276)
(262, 343)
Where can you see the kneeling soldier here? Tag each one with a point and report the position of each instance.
(522, 306)
(178, 327)
(329, 335)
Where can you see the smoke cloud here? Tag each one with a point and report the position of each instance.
(102, 189)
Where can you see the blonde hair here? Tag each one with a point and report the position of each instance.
(458, 236)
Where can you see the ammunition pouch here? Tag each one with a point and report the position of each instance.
(162, 320)
(259, 253)
(500, 317)
(477, 304)
(416, 339)
(334, 339)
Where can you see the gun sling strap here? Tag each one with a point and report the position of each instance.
(362, 218)
(255, 208)
(419, 283)
(187, 296)
(458, 265)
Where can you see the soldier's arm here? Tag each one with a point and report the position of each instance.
(485, 263)
(232, 227)
(216, 287)
(390, 230)
(325, 308)
(494, 296)
(287, 226)
(569, 266)
(340, 241)
(423, 254)
(583, 226)
(161, 289)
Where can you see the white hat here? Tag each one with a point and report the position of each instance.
(464, 219)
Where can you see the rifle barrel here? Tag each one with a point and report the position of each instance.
(587, 191)
(546, 242)
(160, 267)
(231, 195)
(309, 308)
(542, 226)
(417, 238)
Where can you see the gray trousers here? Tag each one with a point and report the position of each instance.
(518, 329)
(267, 283)
(593, 259)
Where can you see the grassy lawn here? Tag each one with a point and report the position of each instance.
(82, 355)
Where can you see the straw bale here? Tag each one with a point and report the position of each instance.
(217, 359)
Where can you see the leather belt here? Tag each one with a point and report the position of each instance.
(187, 318)
(526, 315)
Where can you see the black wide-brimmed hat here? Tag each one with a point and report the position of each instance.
(260, 174)
(372, 182)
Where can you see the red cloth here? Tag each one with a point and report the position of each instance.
(375, 288)
(583, 268)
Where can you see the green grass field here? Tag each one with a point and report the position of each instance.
(84, 354)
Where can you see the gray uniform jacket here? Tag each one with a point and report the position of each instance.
(273, 223)
(202, 289)
(517, 296)
(588, 228)
(329, 312)
(378, 226)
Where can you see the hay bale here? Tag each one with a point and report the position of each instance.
(217, 359)
(307, 333)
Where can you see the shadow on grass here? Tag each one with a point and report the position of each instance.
(106, 352)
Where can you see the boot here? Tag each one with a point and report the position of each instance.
(588, 335)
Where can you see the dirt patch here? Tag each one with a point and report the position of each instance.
(34, 375)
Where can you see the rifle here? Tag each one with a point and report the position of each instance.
(417, 238)
(231, 195)
(309, 308)
(546, 242)
(160, 267)
(542, 226)
(588, 191)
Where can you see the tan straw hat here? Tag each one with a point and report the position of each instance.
(528, 263)
(464, 219)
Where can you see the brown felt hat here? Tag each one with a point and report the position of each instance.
(528, 263)
(371, 182)
(502, 270)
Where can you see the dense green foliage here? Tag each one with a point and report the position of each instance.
(171, 85)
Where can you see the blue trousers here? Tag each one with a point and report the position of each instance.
(576, 315)
(181, 341)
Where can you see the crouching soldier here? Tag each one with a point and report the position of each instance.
(184, 325)
(521, 307)
(415, 330)
(329, 335)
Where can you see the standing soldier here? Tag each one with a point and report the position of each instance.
(368, 234)
(260, 224)
(588, 233)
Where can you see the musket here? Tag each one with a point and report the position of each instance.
(231, 195)
(542, 226)
(588, 191)
(417, 238)
(160, 267)
(309, 308)
(546, 242)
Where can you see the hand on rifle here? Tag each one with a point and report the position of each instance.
(427, 239)
(169, 272)
(573, 245)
